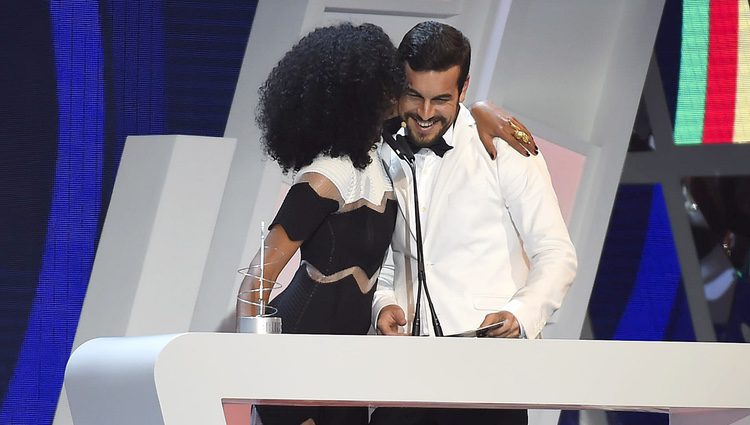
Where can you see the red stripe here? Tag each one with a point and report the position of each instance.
(721, 84)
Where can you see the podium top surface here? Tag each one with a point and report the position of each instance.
(199, 369)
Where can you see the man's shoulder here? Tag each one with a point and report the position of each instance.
(464, 117)
(465, 129)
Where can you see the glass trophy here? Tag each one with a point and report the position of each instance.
(254, 315)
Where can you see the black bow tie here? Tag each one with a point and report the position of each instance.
(440, 146)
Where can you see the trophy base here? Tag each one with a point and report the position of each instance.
(260, 325)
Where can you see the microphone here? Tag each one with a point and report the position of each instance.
(401, 147)
(404, 152)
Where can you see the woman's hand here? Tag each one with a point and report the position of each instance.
(493, 121)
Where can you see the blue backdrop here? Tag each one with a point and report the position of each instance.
(76, 78)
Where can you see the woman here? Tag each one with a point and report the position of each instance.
(321, 112)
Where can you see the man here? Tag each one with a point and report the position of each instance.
(496, 249)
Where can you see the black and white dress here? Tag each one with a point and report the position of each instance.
(345, 217)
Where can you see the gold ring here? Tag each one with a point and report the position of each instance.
(522, 136)
(519, 134)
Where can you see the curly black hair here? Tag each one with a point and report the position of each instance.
(329, 95)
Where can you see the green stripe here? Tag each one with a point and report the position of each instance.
(691, 92)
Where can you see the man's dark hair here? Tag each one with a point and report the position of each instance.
(329, 95)
(433, 46)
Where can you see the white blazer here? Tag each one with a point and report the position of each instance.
(495, 239)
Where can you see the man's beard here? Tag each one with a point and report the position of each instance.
(423, 142)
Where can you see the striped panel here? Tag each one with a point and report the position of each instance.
(721, 80)
(742, 102)
(713, 95)
(691, 92)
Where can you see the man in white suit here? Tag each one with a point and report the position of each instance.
(496, 248)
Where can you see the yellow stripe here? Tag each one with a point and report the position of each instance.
(742, 107)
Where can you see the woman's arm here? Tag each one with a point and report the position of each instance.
(279, 250)
(493, 121)
(309, 201)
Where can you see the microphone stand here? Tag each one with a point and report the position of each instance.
(404, 152)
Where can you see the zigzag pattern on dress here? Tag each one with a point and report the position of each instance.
(364, 282)
(379, 207)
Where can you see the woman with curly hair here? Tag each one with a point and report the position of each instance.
(321, 113)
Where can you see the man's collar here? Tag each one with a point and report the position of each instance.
(393, 126)
(448, 136)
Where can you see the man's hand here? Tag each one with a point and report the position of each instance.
(493, 121)
(509, 329)
(389, 319)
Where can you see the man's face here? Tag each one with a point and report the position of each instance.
(430, 104)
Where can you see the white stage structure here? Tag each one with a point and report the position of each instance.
(182, 379)
(572, 71)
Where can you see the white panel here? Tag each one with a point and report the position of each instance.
(155, 240)
(554, 59)
(183, 224)
(485, 53)
(422, 9)
(156, 236)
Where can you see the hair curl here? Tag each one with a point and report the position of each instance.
(329, 95)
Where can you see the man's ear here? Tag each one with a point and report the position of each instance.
(462, 96)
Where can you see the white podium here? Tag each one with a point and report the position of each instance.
(182, 379)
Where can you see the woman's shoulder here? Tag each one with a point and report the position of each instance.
(337, 171)
(351, 183)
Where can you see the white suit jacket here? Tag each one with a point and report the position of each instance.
(495, 239)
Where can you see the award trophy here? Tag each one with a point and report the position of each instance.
(263, 319)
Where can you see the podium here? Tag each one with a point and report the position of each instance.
(183, 378)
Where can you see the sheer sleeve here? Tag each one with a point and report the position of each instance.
(309, 201)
